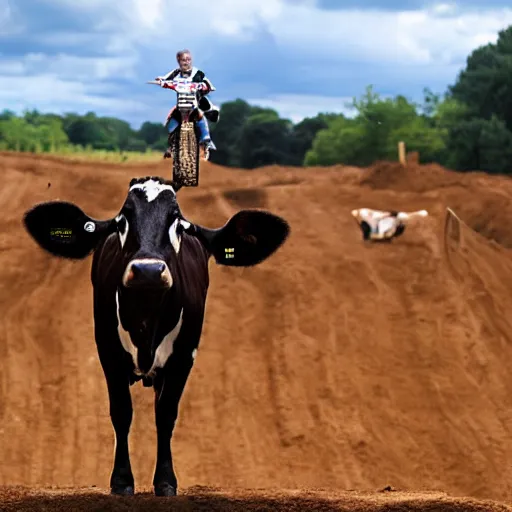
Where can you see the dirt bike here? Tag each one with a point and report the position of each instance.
(184, 140)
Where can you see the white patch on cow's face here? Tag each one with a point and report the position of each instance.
(194, 354)
(152, 189)
(173, 233)
(126, 340)
(174, 237)
(166, 346)
(123, 233)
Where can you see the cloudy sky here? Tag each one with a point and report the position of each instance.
(297, 56)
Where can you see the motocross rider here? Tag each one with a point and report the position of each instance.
(383, 225)
(186, 70)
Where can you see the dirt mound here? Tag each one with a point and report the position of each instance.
(487, 215)
(410, 178)
(333, 365)
(222, 500)
(246, 198)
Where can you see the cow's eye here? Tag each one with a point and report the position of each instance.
(121, 222)
(174, 235)
(122, 228)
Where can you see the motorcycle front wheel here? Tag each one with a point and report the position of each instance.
(186, 156)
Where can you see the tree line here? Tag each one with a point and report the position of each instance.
(469, 127)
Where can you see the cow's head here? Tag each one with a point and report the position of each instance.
(150, 229)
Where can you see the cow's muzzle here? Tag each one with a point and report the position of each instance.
(147, 273)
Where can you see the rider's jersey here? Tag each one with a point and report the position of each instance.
(196, 75)
(379, 221)
(386, 224)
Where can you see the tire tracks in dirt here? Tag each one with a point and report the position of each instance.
(333, 364)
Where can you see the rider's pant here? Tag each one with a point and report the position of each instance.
(172, 125)
(201, 123)
(203, 128)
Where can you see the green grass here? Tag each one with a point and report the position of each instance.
(89, 154)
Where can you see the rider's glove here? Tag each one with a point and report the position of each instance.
(202, 87)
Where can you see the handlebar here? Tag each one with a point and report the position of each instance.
(172, 84)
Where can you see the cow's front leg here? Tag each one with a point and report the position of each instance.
(121, 412)
(169, 387)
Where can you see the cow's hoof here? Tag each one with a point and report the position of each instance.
(165, 490)
(119, 490)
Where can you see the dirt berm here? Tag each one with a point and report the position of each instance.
(331, 372)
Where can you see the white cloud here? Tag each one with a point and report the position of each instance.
(421, 36)
(424, 46)
(9, 23)
(444, 9)
(297, 106)
(46, 92)
(439, 31)
(79, 68)
(442, 33)
(11, 67)
(149, 11)
(5, 12)
(240, 18)
(68, 38)
(83, 6)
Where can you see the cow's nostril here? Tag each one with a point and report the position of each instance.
(148, 274)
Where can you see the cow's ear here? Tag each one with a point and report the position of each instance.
(64, 230)
(248, 238)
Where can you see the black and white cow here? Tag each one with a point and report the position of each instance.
(150, 280)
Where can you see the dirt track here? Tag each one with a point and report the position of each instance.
(334, 365)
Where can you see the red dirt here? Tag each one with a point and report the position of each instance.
(331, 367)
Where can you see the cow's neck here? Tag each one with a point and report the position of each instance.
(145, 325)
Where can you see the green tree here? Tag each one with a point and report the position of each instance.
(17, 135)
(51, 135)
(375, 132)
(480, 144)
(151, 133)
(264, 140)
(6, 114)
(303, 134)
(342, 142)
(485, 85)
(86, 131)
(226, 133)
(380, 118)
(118, 134)
(419, 136)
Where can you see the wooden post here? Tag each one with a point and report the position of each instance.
(401, 152)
